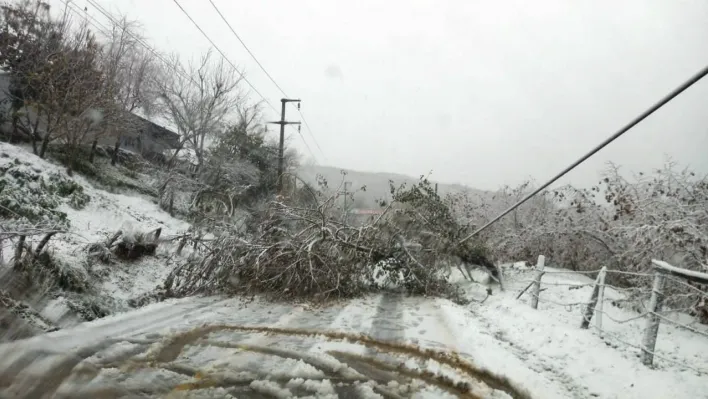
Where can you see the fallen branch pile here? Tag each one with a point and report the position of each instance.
(308, 252)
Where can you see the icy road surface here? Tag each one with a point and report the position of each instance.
(212, 348)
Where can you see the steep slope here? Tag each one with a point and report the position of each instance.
(38, 193)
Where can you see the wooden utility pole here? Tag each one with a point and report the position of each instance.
(281, 148)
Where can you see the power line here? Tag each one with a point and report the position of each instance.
(129, 33)
(93, 21)
(247, 49)
(222, 54)
(234, 67)
(302, 116)
(688, 83)
(106, 32)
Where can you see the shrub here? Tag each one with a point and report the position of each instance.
(27, 194)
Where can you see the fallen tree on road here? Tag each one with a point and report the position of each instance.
(303, 249)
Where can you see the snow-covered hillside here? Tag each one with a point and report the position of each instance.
(207, 347)
(100, 215)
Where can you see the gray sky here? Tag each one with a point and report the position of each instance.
(482, 93)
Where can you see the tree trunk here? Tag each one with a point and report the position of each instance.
(43, 243)
(45, 145)
(71, 159)
(116, 148)
(34, 144)
(171, 161)
(34, 135)
(13, 134)
(93, 150)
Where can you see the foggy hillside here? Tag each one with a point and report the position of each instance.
(377, 183)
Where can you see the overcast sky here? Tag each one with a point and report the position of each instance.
(482, 93)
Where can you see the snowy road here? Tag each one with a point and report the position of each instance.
(142, 354)
(210, 347)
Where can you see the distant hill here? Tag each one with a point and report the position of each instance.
(377, 183)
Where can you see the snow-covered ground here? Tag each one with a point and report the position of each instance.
(211, 347)
(544, 351)
(104, 214)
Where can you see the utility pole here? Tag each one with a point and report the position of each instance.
(347, 184)
(281, 148)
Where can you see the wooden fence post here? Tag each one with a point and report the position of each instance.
(537, 281)
(594, 297)
(652, 327)
(600, 299)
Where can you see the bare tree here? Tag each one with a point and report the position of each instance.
(129, 70)
(199, 99)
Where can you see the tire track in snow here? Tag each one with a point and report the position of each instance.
(209, 359)
(141, 321)
(353, 316)
(385, 320)
(25, 362)
(388, 321)
(163, 321)
(386, 325)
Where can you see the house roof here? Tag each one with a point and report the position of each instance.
(157, 132)
(161, 131)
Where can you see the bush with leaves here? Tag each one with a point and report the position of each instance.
(622, 222)
(41, 269)
(238, 173)
(253, 158)
(28, 195)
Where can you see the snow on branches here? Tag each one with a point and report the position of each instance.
(622, 222)
(302, 249)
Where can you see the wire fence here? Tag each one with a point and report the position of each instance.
(640, 322)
